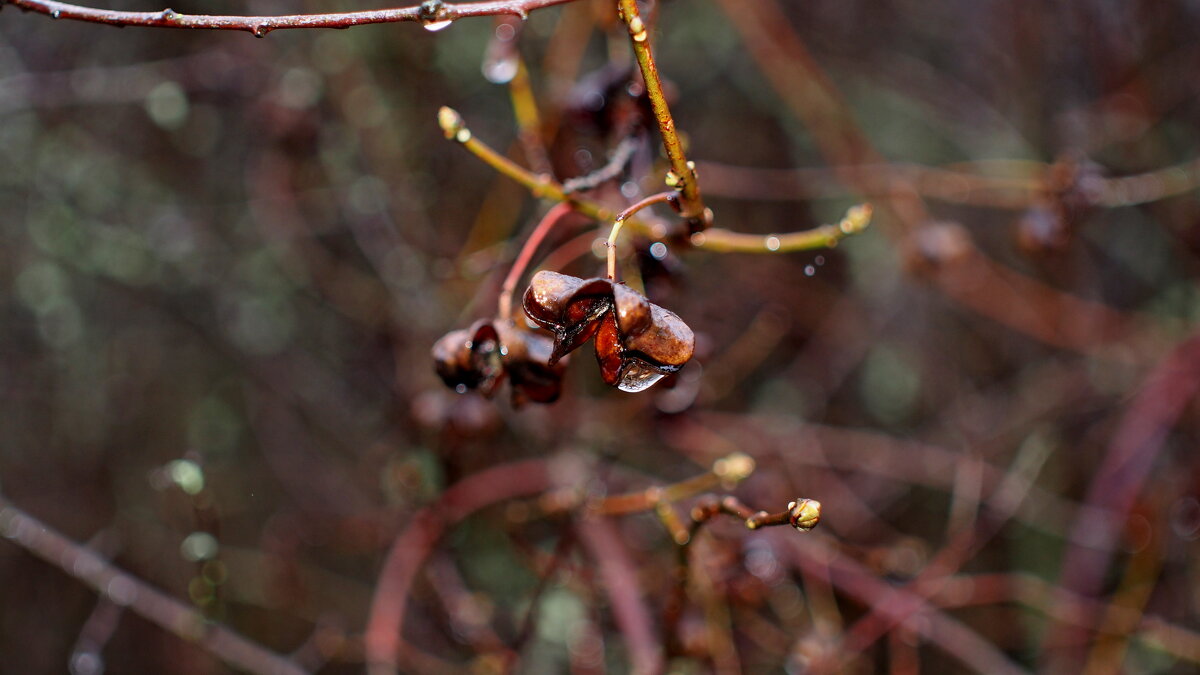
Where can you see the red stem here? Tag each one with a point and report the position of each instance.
(429, 12)
(384, 641)
(552, 218)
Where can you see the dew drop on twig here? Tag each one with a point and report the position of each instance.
(435, 26)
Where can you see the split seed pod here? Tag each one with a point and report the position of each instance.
(637, 342)
(481, 357)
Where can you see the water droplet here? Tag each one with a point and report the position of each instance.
(820, 260)
(772, 243)
(168, 14)
(435, 26)
(505, 32)
(460, 388)
(500, 70)
(809, 270)
(658, 250)
(199, 546)
(55, 14)
(1185, 518)
(637, 377)
(261, 30)
(86, 663)
(522, 14)
(640, 37)
(121, 590)
(503, 350)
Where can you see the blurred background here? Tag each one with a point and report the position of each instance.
(225, 261)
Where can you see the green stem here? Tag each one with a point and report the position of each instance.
(683, 172)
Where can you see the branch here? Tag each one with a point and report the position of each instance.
(857, 217)
(435, 14)
(126, 590)
(618, 573)
(683, 172)
(384, 642)
(856, 220)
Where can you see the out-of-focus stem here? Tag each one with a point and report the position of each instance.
(725, 471)
(529, 121)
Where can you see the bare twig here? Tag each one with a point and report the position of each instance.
(683, 173)
(619, 573)
(548, 222)
(825, 236)
(728, 471)
(433, 13)
(126, 590)
(671, 198)
(384, 641)
(857, 218)
(1120, 478)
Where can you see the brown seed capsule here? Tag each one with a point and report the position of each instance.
(480, 359)
(637, 342)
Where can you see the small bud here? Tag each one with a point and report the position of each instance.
(804, 514)
(735, 468)
(450, 121)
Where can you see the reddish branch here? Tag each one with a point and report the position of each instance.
(384, 643)
(958, 268)
(619, 574)
(952, 636)
(126, 590)
(1143, 430)
(430, 11)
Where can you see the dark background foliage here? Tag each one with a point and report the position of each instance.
(225, 260)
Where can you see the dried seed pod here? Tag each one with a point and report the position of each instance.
(481, 357)
(637, 342)
(526, 359)
(568, 306)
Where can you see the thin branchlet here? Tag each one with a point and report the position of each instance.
(429, 12)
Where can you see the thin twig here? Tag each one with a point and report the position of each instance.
(126, 590)
(525, 110)
(548, 222)
(542, 186)
(683, 172)
(714, 239)
(384, 641)
(619, 575)
(857, 219)
(433, 13)
(728, 471)
(670, 197)
(617, 161)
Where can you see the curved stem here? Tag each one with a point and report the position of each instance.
(553, 217)
(671, 197)
(429, 12)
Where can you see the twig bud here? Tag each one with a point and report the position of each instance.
(804, 514)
